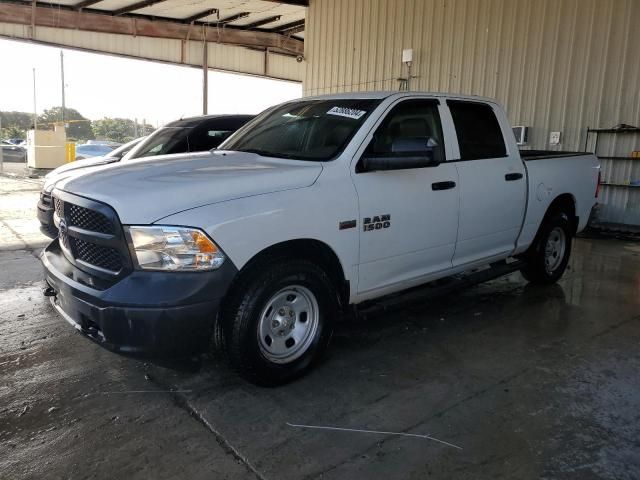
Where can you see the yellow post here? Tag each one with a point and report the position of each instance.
(70, 151)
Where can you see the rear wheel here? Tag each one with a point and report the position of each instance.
(279, 321)
(548, 257)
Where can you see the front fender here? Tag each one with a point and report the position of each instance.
(246, 226)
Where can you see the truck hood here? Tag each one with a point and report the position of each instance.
(73, 169)
(145, 190)
(78, 164)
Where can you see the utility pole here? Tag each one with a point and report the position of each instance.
(35, 114)
(62, 79)
(135, 128)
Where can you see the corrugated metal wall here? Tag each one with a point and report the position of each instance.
(556, 65)
(221, 57)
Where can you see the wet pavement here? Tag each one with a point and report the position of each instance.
(527, 382)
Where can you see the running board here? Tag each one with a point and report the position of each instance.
(438, 288)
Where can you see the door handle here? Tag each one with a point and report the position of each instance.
(443, 185)
(510, 177)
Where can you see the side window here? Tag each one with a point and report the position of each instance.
(211, 133)
(478, 130)
(216, 137)
(411, 128)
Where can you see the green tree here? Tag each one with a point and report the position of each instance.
(15, 124)
(79, 127)
(118, 129)
(13, 131)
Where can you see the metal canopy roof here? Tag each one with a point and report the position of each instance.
(269, 24)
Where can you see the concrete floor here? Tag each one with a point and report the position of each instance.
(528, 382)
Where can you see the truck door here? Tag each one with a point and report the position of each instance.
(408, 217)
(492, 184)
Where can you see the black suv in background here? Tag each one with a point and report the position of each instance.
(195, 134)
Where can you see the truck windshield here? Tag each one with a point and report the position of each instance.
(307, 130)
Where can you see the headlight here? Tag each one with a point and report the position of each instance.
(174, 248)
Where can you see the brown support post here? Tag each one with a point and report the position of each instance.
(205, 76)
(33, 20)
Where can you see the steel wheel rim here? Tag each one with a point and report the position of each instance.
(288, 324)
(554, 249)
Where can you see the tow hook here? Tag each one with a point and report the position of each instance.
(49, 292)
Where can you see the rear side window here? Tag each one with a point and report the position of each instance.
(213, 132)
(202, 139)
(478, 130)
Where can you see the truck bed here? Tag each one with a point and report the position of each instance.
(576, 174)
(528, 155)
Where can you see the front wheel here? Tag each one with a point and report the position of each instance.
(548, 257)
(279, 321)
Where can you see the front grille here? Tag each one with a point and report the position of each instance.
(97, 255)
(59, 207)
(88, 219)
(83, 226)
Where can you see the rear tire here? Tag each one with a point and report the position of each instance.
(547, 259)
(278, 321)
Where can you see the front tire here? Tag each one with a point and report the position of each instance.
(548, 257)
(278, 321)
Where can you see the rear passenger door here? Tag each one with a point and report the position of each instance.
(492, 184)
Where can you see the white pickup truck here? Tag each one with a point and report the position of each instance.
(316, 205)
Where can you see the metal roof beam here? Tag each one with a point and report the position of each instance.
(232, 18)
(136, 6)
(198, 16)
(290, 28)
(264, 21)
(85, 4)
(92, 21)
(299, 3)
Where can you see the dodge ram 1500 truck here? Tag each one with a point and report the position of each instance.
(315, 205)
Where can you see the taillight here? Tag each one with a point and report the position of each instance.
(598, 185)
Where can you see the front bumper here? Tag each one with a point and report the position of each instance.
(143, 312)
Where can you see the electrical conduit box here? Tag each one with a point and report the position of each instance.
(554, 138)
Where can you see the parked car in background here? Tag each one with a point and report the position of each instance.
(16, 141)
(317, 205)
(195, 134)
(89, 150)
(185, 135)
(12, 152)
(108, 143)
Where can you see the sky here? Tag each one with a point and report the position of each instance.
(101, 86)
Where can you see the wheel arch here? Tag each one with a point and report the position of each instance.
(310, 249)
(565, 203)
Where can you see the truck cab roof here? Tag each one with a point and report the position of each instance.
(387, 94)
